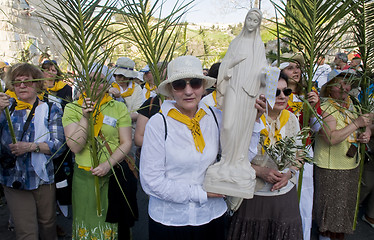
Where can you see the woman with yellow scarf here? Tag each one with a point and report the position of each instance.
(179, 145)
(112, 129)
(26, 167)
(273, 212)
(336, 170)
(56, 90)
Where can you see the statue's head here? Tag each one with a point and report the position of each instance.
(253, 19)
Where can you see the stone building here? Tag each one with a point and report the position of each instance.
(23, 37)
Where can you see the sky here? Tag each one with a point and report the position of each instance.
(219, 11)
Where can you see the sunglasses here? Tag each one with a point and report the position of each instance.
(50, 61)
(287, 92)
(181, 84)
(26, 83)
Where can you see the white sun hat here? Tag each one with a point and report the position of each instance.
(184, 67)
(125, 67)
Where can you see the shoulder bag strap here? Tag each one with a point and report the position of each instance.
(129, 160)
(29, 118)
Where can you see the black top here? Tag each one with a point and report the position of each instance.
(150, 107)
(64, 94)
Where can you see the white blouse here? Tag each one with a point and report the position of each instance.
(172, 171)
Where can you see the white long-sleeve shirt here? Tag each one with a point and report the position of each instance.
(172, 171)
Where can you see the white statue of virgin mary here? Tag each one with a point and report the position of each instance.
(240, 81)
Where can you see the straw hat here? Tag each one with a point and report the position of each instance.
(4, 64)
(184, 67)
(346, 74)
(125, 67)
(286, 58)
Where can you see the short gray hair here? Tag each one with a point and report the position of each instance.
(342, 56)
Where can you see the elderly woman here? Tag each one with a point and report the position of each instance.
(273, 212)
(57, 90)
(178, 147)
(27, 175)
(336, 158)
(114, 127)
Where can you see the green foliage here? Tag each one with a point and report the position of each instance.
(312, 27)
(81, 26)
(287, 151)
(155, 37)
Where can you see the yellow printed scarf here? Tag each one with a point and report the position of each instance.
(283, 119)
(21, 104)
(214, 95)
(58, 86)
(99, 118)
(129, 91)
(149, 90)
(192, 124)
(295, 107)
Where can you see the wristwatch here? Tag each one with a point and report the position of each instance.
(293, 172)
(37, 149)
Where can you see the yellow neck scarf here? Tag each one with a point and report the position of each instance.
(295, 107)
(149, 90)
(214, 94)
(98, 116)
(21, 104)
(192, 124)
(129, 91)
(58, 86)
(273, 128)
(11, 94)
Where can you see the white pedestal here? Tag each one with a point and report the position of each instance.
(237, 180)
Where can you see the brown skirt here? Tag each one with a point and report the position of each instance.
(335, 193)
(268, 218)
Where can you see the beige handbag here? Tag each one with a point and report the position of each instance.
(233, 203)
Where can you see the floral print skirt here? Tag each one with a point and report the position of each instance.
(86, 223)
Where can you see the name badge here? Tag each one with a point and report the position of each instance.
(110, 121)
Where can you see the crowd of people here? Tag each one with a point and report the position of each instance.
(174, 130)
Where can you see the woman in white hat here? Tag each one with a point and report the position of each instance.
(336, 169)
(124, 89)
(179, 145)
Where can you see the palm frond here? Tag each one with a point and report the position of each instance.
(155, 37)
(81, 26)
(312, 27)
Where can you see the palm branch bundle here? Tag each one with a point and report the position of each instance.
(312, 27)
(287, 152)
(363, 32)
(81, 26)
(154, 34)
(10, 124)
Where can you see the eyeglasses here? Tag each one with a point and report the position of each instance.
(181, 84)
(287, 92)
(26, 83)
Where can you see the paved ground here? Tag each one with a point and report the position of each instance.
(140, 230)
